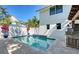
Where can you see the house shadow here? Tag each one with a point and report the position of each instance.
(15, 47)
(26, 49)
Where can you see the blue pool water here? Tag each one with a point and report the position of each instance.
(37, 41)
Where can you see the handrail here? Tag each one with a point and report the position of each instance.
(49, 32)
(65, 25)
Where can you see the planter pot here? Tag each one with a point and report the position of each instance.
(5, 36)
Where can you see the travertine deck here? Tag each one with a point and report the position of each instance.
(12, 47)
(58, 47)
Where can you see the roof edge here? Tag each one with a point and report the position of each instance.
(44, 8)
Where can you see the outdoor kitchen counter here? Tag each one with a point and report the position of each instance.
(74, 36)
(72, 40)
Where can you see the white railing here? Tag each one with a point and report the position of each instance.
(65, 25)
(50, 31)
(66, 21)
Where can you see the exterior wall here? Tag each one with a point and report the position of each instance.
(39, 31)
(46, 18)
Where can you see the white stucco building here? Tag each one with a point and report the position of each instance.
(49, 14)
(52, 16)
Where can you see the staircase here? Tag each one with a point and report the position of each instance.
(53, 29)
(50, 30)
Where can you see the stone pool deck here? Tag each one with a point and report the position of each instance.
(9, 46)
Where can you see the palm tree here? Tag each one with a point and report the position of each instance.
(4, 11)
(5, 16)
(34, 23)
(30, 22)
(7, 20)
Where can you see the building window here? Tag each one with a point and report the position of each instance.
(58, 25)
(48, 26)
(59, 9)
(52, 10)
(56, 9)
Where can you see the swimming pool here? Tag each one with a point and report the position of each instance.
(37, 41)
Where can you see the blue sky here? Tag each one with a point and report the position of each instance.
(23, 12)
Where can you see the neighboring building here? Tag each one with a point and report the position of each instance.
(13, 19)
(16, 29)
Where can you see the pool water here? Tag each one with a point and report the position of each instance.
(37, 41)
